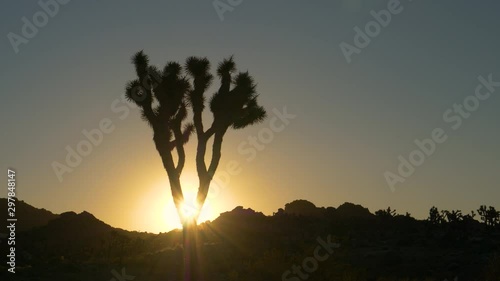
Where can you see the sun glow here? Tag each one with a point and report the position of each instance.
(157, 212)
(189, 208)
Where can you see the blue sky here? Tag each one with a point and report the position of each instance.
(353, 119)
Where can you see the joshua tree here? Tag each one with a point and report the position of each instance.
(435, 218)
(386, 213)
(453, 216)
(490, 216)
(164, 97)
(469, 217)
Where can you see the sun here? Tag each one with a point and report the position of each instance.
(189, 208)
(157, 209)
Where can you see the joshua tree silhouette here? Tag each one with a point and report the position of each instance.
(490, 216)
(164, 97)
(435, 218)
(386, 213)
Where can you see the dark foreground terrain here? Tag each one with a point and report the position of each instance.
(344, 243)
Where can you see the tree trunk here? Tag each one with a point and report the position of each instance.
(191, 251)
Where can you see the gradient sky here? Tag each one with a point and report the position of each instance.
(352, 120)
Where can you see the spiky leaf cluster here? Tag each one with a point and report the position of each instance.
(164, 97)
(235, 104)
(176, 87)
(168, 88)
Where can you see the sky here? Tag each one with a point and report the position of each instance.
(355, 109)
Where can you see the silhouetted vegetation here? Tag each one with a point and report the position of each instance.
(490, 216)
(247, 245)
(386, 213)
(164, 97)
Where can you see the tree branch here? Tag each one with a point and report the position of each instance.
(149, 114)
(161, 138)
(179, 145)
(209, 133)
(216, 152)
